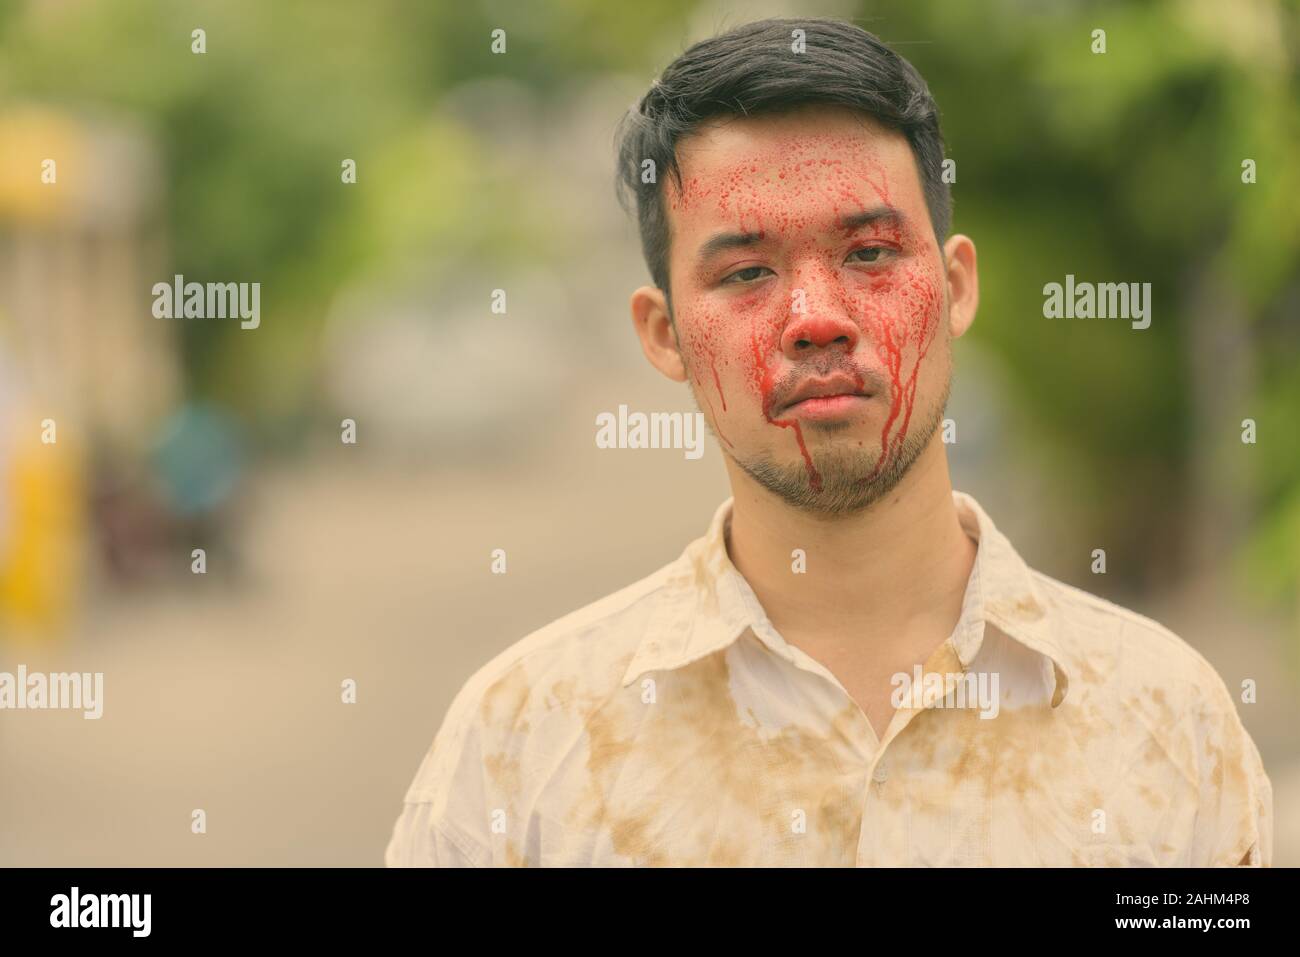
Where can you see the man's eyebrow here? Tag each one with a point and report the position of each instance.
(889, 215)
(720, 241)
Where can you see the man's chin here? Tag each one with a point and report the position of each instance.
(836, 482)
(842, 475)
(860, 428)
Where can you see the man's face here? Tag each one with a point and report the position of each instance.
(804, 266)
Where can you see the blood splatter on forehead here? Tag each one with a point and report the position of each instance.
(795, 210)
(837, 166)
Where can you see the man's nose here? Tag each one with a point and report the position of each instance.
(823, 324)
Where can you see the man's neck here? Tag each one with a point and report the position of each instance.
(886, 582)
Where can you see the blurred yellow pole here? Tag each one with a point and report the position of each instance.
(42, 499)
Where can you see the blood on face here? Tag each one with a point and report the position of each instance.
(790, 197)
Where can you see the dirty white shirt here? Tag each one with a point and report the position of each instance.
(669, 724)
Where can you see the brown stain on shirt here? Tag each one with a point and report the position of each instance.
(697, 760)
(505, 702)
(714, 770)
(504, 771)
(704, 581)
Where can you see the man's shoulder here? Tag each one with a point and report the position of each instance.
(589, 644)
(559, 669)
(1116, 647)
(1171, 719)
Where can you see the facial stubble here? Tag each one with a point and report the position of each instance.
(851, 476)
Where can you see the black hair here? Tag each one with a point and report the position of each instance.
(753, 69)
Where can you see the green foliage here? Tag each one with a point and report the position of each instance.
(1122, 166)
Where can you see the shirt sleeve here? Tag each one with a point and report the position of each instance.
(1234, 820)
(419, 840)
(445, 804)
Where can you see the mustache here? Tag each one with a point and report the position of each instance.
(867, 380)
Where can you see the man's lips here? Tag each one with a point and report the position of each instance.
(826, 388)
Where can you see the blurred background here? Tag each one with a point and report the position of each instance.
(478, 171)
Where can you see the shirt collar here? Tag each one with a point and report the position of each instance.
(1003, 591)
(707, 604)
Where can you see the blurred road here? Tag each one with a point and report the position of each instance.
(226, 696)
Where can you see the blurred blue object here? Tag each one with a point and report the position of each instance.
(198, 457)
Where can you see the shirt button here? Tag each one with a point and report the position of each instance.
(881, 774)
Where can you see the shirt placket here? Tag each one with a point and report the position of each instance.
(885, 835)
(884, 832)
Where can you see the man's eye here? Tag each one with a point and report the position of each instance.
(748, 274)
(871, 254)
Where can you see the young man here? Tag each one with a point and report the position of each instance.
(853, 666)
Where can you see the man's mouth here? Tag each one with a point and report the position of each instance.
(831, 396)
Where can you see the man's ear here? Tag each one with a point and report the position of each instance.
(963, 283)
(656, 332)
